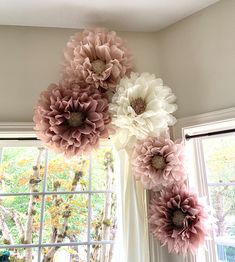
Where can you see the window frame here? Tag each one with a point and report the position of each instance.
(15, 130)
(202, 123)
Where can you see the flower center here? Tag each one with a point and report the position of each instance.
(139, 105)
(158, 162)
(178, 218)
(97, 66)
(76, 119)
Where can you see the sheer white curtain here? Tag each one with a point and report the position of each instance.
(133, 232)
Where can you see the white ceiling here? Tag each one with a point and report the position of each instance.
(124, 15)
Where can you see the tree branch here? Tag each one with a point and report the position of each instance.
(7, 238)
(60, 234)
(33, 184)
(16, 217)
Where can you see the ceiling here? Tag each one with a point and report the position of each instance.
(123, 15)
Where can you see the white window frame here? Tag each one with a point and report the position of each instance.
(203, 123)
(15, 130)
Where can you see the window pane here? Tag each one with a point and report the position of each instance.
(219, 157)
(66, 218)
(17, 172)
(19, 219)
(19, 254)
(223, 204)
(219, 153)
(65, 213)
(100, 253)
(225, 250)
(103, 176)
(62, 172)
(64, 254)
(103, 222)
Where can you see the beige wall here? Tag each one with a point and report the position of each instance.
(197, 59)
(30, 59)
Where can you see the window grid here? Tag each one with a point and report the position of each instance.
(211, 185)
(43, 193)
(58, 193)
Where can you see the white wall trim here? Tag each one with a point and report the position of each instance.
(16, 126)
(201, 120)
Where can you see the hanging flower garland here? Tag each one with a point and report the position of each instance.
(98, 57)
(98, 95)
(178, 219)
(141, 107)
(72, 119)
(158, 162)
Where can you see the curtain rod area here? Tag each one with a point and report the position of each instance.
(188, 137)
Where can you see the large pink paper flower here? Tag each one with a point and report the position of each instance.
(97, 57)
(158, 162)
(71, 119)
(178, 219)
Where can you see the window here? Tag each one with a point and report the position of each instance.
(211, 171)
(56, 209)
(219, 159)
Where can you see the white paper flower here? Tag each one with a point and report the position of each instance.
(142, 107)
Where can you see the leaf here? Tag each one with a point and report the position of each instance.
(23, 181)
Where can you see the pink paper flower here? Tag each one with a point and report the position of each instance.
(71, 119)
(158, 162)
(98, 57)
(178, 219)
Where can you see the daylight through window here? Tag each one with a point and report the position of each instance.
(213, 160)
(57, 209)
(219, 157)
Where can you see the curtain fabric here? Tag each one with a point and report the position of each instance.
(133, 236)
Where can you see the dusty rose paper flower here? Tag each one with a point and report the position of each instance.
(97, 57)
(178, 219)
(158, 162)
(71, 119)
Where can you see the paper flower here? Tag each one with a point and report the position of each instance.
(158, 162)
(178, 219)
(142, 106)
(71, 119)
(98, 57)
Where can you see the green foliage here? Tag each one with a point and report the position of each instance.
(15, 173)
(220, 159)
(219, 154)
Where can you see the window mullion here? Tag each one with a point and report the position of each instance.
(1, 151)
(43, 205)
(89, 210)
(100, 242)
(204, 191)
(201, 177)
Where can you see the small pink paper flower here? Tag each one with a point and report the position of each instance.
(178, 219)
(71, 119)
(98, 57)
(158, 162)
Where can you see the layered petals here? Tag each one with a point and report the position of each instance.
(71, 119)
(158, 162)
(142, 107)
(98, 57)
(178, 219)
